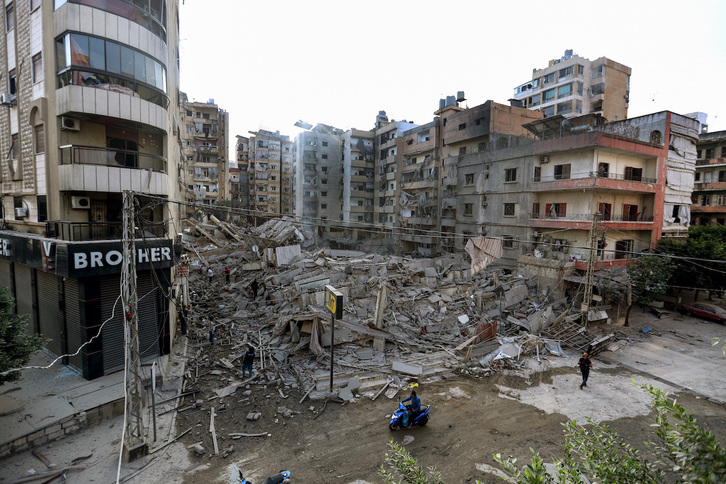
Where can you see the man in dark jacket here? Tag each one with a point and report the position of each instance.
(247, 360)
(585, 364)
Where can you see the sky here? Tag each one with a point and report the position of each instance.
(270, 63)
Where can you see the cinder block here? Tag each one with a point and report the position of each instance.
(55, 435)
(52, 429)
(72, 429)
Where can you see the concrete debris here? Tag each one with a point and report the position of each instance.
(404, 319)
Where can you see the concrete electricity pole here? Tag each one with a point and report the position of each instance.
(135, 445)
(587, 300)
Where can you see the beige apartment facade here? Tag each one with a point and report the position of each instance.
(572, 86)
(205, 144)
(269, 174)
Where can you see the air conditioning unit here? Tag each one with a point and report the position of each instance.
(81, 203)
(7, 99)
(544, 159)
(70, 124)
(21, 212)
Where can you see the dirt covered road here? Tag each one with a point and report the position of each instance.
(471, 419)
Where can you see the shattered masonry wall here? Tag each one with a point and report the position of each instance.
(548, 274)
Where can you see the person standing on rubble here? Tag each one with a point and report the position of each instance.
(254, 286)
(212, 328)
(585, 364)
(247, 359)
(227, 273)
(210, 273)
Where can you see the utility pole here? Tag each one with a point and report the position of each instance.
(587, 300)
(135, 445)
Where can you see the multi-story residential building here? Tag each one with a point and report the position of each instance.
(269, 174)
(205, 144)
(572, 86)
(389, 162)
(357, 181)
(242, 158)
(709, 192)
(318, 187)
(89, 106)
(542, 197)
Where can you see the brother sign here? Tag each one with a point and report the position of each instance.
(93, 259)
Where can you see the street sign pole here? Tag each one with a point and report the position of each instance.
(334, 304)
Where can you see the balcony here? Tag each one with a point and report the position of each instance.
(93, 155)
(583, 221)
(711, 161)
(595, 180)
(88, 231)
(703, 186)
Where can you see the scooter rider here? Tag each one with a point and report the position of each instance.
(415, 407)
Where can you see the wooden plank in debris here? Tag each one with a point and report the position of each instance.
(43, 459)
(214, 432)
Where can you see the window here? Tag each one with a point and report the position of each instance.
(697, 176)
(509, 209)
(478, 121)
(468, 209)
(325, 143)
(42, 208)
(580, 69)
(325, 157)
(705, 200)
(548, 96)
(482, 146)
(35, 4)
(462, 126)
(623, 249)
(606, 209)
(579, 88)
(723, 152)
(549, 78)
(510, 175)
(633, 174)
(722, 176)
(709, 153)
(556, 210)
(462, 150)
(9, 18)
(603, 170)
(409, 142)
(508, 242)
(535, 210)
(39, 136)
(598, 71)
(37, 68)
(564, 91)
(578, 106)
(469, 179)
(562, 172)
(548, 111)
(14, 148)
(537, 174)
(567, 71)
(534, 101)
(323, 194)
(323, 206)
(12, 86)
(630, 213)
(564, 108)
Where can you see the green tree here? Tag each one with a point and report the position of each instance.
(406, 467)
(16, 346)
(648, 276)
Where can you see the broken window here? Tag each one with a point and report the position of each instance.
(462, 126)
(709, 153)
(510, 175)
(549, 78)
(535, 210)
(537, 174)
(633, 173)
(534, 101)
(556, 210)
(469, 179)
(630, 213)
(623, 249)
(567, 71)
(564, 108)
(606, 210)
(509, 209)
(468, 209)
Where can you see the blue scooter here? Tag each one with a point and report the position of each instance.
(401, 418)
(282, 477)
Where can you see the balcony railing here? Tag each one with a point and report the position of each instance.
(592, 174)
(86, 231)
(112, 82)
(93, 155)
(587, 217)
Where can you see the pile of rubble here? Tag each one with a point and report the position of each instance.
(404, 319)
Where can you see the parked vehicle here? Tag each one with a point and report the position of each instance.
(401, 418)
(705, 311)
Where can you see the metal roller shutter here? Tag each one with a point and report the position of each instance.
(148, 314)
(24, 294)
(49, 317)
(73, 322)
(113, 331)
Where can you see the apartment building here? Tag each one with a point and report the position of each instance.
(90, 102)
(205, 144)
(357, 181)
(318, 176)
(572, 85)
(269, 173)
(389, 162)
(240, 192)
(709, 192)
(542, 197)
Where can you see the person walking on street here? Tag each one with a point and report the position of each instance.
(247, 360)
(212, 328)
(585, 364)
(227, 273)
(210, 273)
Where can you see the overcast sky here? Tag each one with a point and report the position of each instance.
(270, 63)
